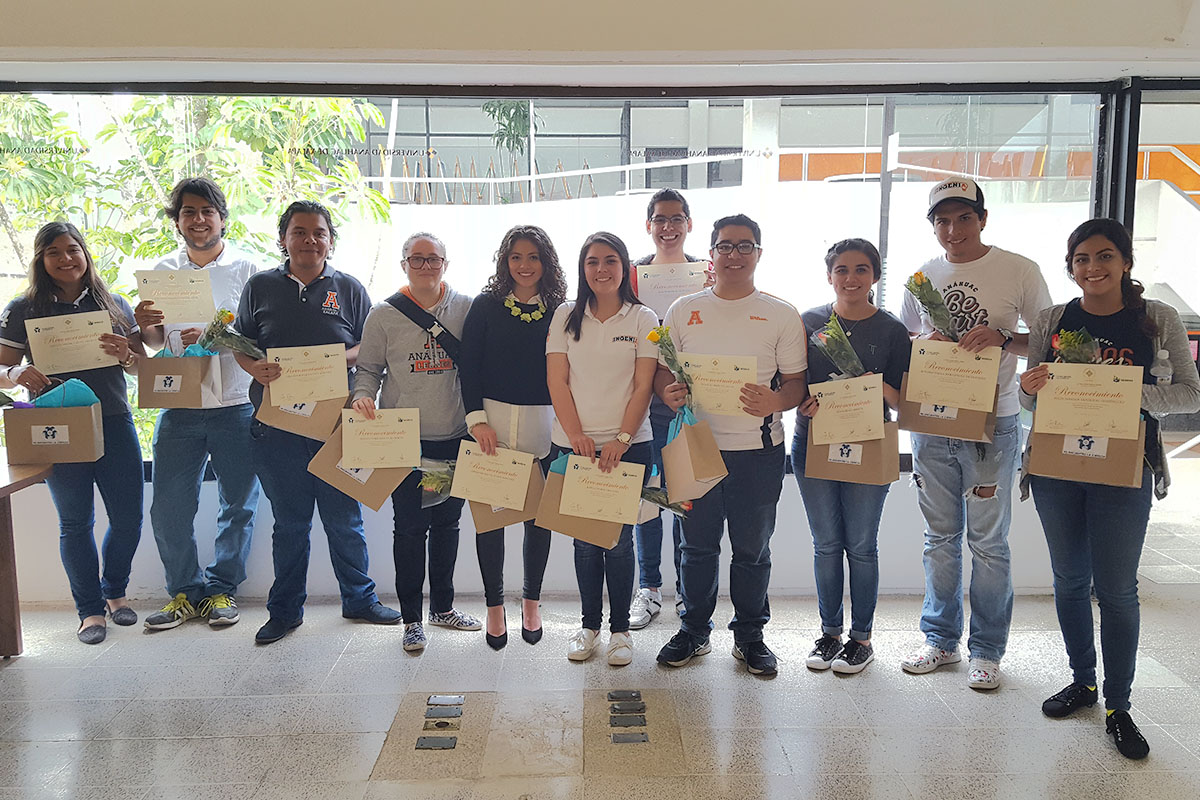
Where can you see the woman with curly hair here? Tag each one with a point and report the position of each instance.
(503, 376)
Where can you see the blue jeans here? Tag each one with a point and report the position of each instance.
(184, 439)
(948, 473)
(1095, 535)
(281, 461)
(844, 519)
(649, 535)
(746, 499)
(594, 566)
(118, 476)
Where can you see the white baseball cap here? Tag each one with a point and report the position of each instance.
(964, 190)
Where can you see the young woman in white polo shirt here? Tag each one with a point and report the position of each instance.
(600, 369)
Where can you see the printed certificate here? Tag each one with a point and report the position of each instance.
(1093, 399)
(610, 496)
(309, 373)
(181, 295)
(69, 343)
(851, 410)
(392, 439)
(499, 481)
(659, 285)
(943, 374)
(717, 381)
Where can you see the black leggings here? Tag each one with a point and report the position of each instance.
(489, 546)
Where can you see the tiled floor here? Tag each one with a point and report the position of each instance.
(334, 710)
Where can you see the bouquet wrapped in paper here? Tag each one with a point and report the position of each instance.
(1075, 347)
(659, 498)
(661, 336)
(931, 300)
(219, 334)
(436, 478)
(833, 343)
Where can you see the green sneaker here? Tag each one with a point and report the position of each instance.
(173, 614)
(221, 609)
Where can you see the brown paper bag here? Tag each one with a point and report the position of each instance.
(1115, 462)
(490, 519)
(960, 423)
(69, 435)
(692, 463)
(875, 462)
(313, 420)
(186, 382)
(371, 487)
(593, 531)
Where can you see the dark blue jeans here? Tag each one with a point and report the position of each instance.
(746, 499)
(844, 519)
(649, 535)
(413, 525)
(595, 566)
(118, 476)
(1095, 535)
(281, 461)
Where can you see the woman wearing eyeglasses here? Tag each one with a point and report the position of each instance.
(409, 363)
(503, 373)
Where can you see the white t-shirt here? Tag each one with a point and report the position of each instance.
(228, 274)
(994, 290)
(757, 325)
(601, 368)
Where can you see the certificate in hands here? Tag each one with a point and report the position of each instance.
(181, 295)
(69, 343)
(659, 285)
(309, 373)
(717, 381)
(851, 410)
(1093, 399)
(500, 481)
(944, 374)
(392, 439)
(610, 496)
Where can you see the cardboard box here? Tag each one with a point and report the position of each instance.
(875, 462)
(953, 423)
(313, 420)
(490, 519)
(185, 382)
(54, 435)
(692, 463)
(371, 487)
(1112, 462)
(593, 531)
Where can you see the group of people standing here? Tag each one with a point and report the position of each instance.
(520, 366)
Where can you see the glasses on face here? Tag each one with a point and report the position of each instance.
(676, 220)
(423, 262)
(745, 248)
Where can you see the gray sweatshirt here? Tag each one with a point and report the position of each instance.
(412, 368)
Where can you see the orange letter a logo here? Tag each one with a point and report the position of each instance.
(694, 319)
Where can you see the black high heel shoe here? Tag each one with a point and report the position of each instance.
(533, 637)
(496, 642)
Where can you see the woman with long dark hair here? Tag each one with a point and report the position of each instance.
(1095, 532)
(600, 367)
(63, 280)
(503, 376)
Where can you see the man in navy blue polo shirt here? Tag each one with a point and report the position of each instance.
(305, 302)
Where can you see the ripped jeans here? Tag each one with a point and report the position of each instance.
(954, 479)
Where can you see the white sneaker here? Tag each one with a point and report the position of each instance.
(582, 644)
(620, 649)
(645, 607)
(929, 658)
(984, 674)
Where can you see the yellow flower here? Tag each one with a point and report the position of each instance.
(654, 336)
(919, 278)
(526, 318)
(225, 316)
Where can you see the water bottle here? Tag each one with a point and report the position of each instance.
(1162, 372)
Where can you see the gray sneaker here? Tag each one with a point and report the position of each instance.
(176, 612)
(414, 636)
(454, 619)
(221, 609)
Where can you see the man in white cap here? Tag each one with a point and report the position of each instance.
(966, 487)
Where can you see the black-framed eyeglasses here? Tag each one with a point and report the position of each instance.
(676, 220)
(745, 248)
(421, 262)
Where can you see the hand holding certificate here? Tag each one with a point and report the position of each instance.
(659, 285)
(181, 295)
(500, 481)
(309, 373)
(944, 374)
(610, 496)
(1093, 399)
(717, 381)
(851, 410)
(391, 439)
(69, 343)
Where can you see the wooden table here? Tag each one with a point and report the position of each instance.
(13, 478)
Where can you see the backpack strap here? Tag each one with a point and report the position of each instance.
(427, 322)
